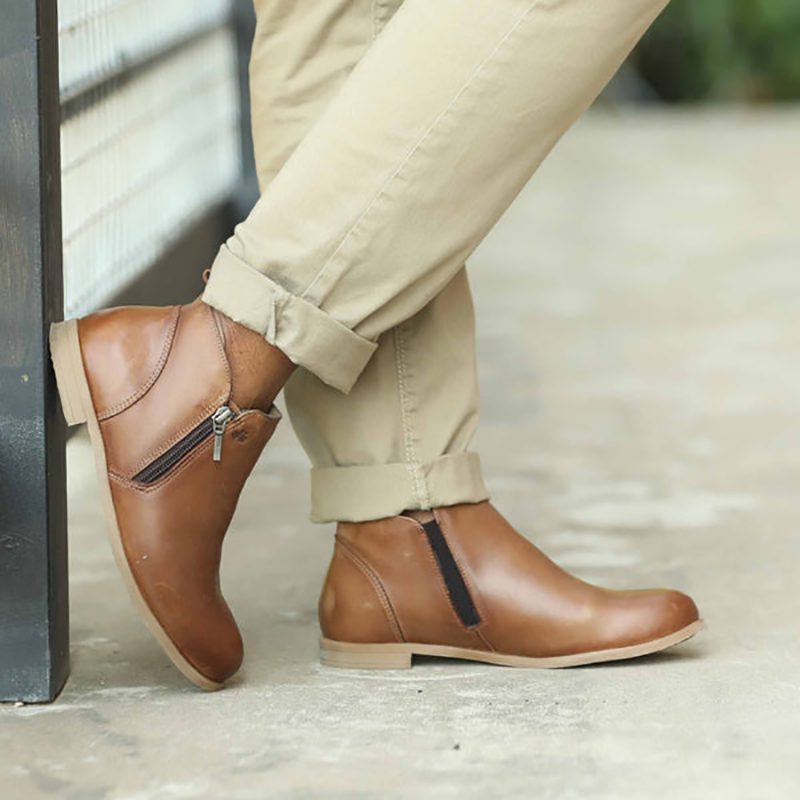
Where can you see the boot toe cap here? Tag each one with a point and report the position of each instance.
(217, 658)
(658, 613)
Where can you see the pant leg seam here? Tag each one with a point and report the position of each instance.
(415, 148)
(413, 465)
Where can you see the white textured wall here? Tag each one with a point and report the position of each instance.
(152, 153)
(100, 36)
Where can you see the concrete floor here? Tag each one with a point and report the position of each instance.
(638, 331)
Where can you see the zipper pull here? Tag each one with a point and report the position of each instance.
(220, 419)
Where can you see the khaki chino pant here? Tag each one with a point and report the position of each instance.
(390, 136)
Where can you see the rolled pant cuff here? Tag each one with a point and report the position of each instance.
(362, 493)
(307, 335)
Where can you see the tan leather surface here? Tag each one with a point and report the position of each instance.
(126, 349)
(398, 552)
(154, 376)
(172, 533)
(532, 607)
(352, 593)
(528, 605)
(193, 382)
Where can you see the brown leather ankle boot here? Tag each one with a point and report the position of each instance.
(178, 403)
(460, 582)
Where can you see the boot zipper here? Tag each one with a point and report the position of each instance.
(219, 421)
(454, 582)
(215, 425)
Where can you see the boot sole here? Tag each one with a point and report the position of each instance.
(399, 655)
(76, 402)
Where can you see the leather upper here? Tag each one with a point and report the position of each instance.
(528, 605)
(172, 533)
(156, 376)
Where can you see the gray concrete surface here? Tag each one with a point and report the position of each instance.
(639, 347)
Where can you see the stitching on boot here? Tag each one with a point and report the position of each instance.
(372, 577)
(166, 348)
(482, 637)
(209, 314)
(211, 406)
(188, 460)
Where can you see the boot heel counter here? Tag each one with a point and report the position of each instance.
(353, 605)
(124, 351)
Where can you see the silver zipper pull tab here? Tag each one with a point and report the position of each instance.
(220, 419)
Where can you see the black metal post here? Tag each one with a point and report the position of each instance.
(244, 22)
(34, 628)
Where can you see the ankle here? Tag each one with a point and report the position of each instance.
(259, 370)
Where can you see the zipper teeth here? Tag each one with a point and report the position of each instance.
(166, 461)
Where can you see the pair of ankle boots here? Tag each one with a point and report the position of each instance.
(178, 403)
